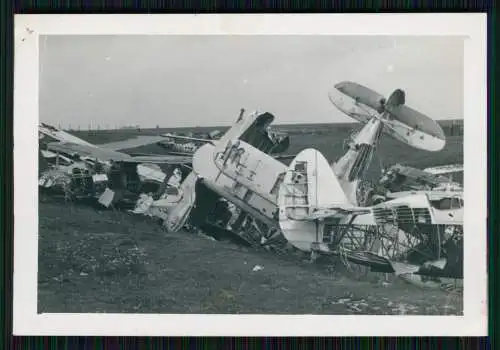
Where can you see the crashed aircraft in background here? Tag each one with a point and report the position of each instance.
(399, 178)
(271, 142)
(187, 144)
(76, 147)
(122, 173)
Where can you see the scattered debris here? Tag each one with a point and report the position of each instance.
(257, 268)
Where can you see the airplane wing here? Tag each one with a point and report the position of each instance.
(82, 150)
(134, 142)
(160, 159)
(187, 138)
(111, 155)
(170, 153)
(59, 135)
(63, 136)
(332, 212)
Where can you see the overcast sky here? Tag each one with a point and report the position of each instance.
(205, 80)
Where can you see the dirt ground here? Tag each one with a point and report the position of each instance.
(104, 261)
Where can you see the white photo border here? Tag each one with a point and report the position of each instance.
(27, 30)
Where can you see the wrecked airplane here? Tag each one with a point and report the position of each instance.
(251, 128)
(262, 137)
(254, 181)
(237, 189)
(125, 176)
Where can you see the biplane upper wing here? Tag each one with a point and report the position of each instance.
(111, 155)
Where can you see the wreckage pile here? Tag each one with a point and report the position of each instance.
(235, 187)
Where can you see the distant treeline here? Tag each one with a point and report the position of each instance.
(453, 127)
(450, 127)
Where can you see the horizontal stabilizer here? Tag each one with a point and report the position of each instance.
(416, 120)
(361, 94)
(400, 121)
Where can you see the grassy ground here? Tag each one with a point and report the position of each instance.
(102, 261)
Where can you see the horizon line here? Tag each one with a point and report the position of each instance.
(132, 127)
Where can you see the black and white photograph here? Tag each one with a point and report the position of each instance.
(280, 173)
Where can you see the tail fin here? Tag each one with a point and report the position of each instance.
(308, 184)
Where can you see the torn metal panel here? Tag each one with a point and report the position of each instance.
(399, 178)
(73, 181)
(180, 213)
(106, 198)
(150, 172)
